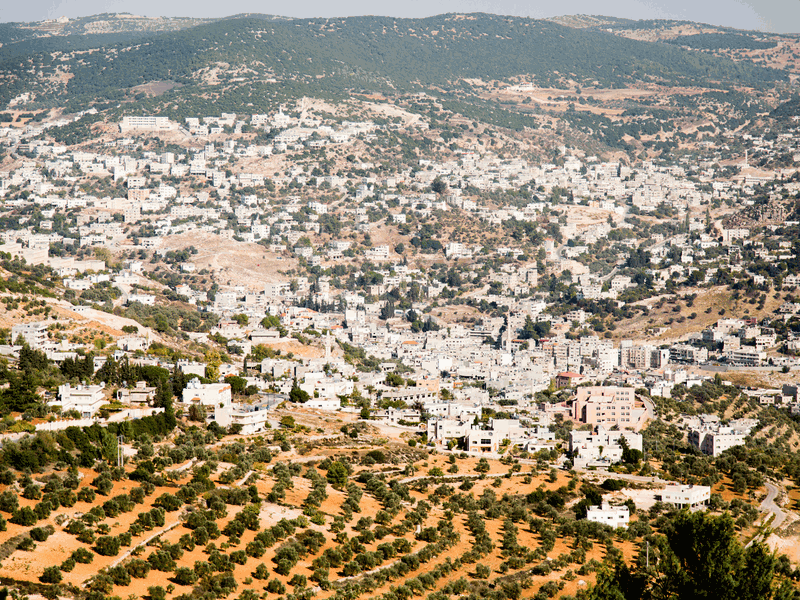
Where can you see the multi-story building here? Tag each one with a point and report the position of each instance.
(87, 400)
(140, 123)
(614, 516)
(601, 445)
(251, 417)
(34, 334)
(608, 406)
(715, 439)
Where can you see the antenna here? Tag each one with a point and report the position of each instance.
(120, 455)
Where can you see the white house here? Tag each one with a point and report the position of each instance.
(615, 516)
(87, 400)
(324, 403)
(252, 417)
(34, 334)
(207, 394)
(686, 496)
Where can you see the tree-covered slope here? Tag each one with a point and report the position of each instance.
(400, 53)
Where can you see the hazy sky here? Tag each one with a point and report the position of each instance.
(768, 15)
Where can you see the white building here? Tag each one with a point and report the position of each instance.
(378, 253)
(252, 417)
(87, 400)
(715, 439)
(207, 394)
(146, 124)
(441, 430)
(615, 516)
(324, 403)
(686, 496)
(601, 446)
(34, 334)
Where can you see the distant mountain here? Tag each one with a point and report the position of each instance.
(376, 52)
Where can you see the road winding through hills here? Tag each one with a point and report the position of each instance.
(769, 505)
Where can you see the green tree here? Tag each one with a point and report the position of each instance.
(482, 466)
(337, 474)
(700, 558)
(297, 395)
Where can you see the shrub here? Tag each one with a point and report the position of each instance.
(32, 492)
(156, 592)
(138, 568)
(184, 576)
(261, 572)
(86, 536)
(26, 544)
(40, 534)
(255, 549)
(119, 575)
(87, 495)
(24, 516)
(82, 556)
(51, 575)
(107, 545)
(68, 565)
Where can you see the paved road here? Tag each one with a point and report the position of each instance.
(769, 505)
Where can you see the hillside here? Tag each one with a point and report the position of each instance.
(374, 52)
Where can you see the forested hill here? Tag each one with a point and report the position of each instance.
(385, 52)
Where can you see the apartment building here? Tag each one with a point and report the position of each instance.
(608, 406)
(715, 439)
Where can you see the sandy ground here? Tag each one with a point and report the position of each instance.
(233, 263)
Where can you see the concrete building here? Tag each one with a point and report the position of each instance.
(614, 516)
(601, 446)
(746, 356)
(410, 395)
(685, 496)
(490, 440)
(87, 400)
(393, 416)
(252, 417)
(207, 394)
(608, 406)
(191, 368)
(140, 123)
(34, 334)
(324, 403)
(715, 439)
(141, 394)
(441, 430)
(569, 379)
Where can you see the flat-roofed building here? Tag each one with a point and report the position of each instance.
(251, 417)
(714, 440)
(146, 123)
(608, 406)
(207, 394)
(686, 496)
(34, 334)
(86, 399)
(614, 516)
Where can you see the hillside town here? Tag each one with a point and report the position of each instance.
(277, 198)
(391, 308)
